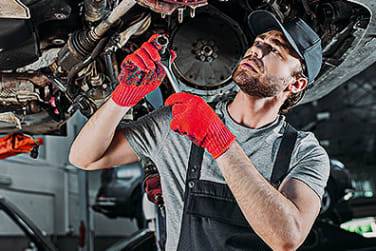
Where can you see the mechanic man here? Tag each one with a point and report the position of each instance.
(249, 181)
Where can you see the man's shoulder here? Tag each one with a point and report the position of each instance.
(306, 146)
(308, 141)
(310, 154)
(310, 162)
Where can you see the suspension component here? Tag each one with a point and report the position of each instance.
(95, 10)
(81, 44)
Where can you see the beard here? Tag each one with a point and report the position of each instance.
(259, 85)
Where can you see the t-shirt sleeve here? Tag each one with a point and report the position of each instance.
(311, 165)
(146, 135)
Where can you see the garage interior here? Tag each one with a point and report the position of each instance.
(46, 203)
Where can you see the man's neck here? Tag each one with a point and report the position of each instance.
(253, 112)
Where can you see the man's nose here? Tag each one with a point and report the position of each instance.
(260, 50)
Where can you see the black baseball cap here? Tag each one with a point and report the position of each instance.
(298, 33)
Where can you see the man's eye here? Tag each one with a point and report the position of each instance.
(274, 50)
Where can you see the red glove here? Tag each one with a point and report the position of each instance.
(140, 73)
(17, 143)
(153, 189)
(191, 116)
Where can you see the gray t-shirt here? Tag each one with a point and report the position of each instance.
(151, 137)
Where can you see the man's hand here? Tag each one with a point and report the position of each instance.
(140, 74)
(191, 116)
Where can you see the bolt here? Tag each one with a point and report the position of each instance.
(180, 15)
(191, 184)
(58, 41)
(60, 16)
(163, 42)
(192, 12)
(207, 50)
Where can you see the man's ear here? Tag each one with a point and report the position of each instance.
(299, 85)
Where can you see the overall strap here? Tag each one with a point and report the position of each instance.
(194, 167)
(282, 161)
(196, 156)
(195, 160)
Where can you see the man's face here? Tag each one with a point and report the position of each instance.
(268, 66)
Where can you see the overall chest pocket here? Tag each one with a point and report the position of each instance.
(215, 212)
(215, 201)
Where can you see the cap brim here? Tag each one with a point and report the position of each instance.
(261, 21)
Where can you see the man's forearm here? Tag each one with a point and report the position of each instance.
(96, 135)
(140, 74)
(272, 216)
